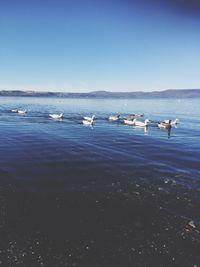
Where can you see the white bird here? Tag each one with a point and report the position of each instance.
(56, 116)
(173, 122)
(88, 122)
(138, 115)
(165, 125)
(141, 123)
(20, 111)
(114, 118)
(130, 122)
(89, 118)
(14, 110)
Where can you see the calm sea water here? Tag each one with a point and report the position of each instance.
(107, 195)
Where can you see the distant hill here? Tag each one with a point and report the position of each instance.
(179, 93)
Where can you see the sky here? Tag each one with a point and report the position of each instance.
(89, 45)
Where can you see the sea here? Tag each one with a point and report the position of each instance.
(104, 195)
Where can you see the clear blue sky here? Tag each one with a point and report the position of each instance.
(86, 45)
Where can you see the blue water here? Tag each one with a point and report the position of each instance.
(34, 145)
(43, 162)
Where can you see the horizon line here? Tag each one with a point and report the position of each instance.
(88, 92)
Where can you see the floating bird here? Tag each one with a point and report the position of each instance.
(114, 118)
(141, 123)
(173, 122)
(88, 122)
(89, 118)
(14, 110)
(138, 115)
(22, 111)
(165, 125)
(56, 116)
(130, 121)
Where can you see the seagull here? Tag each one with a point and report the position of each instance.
(138, 115)
(56, 116)
(165, 125)
(89, 118)
(130, 121)
(173, 122)
(114, 118)
(142, 124)
(88, 122)
(14, 110)
(20, 111)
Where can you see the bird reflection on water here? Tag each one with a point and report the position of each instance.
(169, 132)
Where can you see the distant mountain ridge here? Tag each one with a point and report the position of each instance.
(180, 93)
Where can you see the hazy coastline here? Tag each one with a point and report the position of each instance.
(170, 93)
